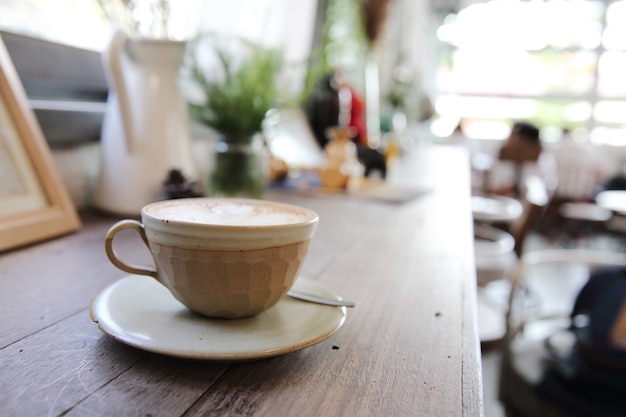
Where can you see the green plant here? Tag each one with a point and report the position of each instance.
(237, 99)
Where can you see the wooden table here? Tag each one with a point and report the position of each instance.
(409, 348)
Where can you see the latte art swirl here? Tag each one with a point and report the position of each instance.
(235, 212)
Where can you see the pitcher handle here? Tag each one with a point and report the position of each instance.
(112, 58)
(112, 255)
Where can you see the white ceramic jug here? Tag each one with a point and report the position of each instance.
(145, 131)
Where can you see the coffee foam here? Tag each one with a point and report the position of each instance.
(228, 212)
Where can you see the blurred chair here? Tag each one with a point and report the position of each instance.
(492, 245)
(578, 176)
(615, 202)
(544, 288)
(578, 170)
(582, 220)
(496, 253)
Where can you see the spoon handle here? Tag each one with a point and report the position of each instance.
(319, 300)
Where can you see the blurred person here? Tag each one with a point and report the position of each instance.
(521, 155)
(322, 108)
(334, 103)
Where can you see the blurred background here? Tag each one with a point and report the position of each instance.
(474, 66)
(483, 63)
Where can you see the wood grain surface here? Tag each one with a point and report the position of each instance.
(408, 348)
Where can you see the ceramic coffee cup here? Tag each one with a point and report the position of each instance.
(222, 257)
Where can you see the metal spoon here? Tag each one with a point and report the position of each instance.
(319, 300)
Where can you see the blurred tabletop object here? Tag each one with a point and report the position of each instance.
(614, 200)
(409, 347)
(495, 208)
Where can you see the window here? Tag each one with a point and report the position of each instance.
(78, 23)
(557, 63)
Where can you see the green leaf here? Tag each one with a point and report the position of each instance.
(237, 102)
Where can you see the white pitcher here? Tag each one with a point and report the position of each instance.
(145, 131)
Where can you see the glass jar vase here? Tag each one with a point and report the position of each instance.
(239, 167)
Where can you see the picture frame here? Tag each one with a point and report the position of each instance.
(34, 204)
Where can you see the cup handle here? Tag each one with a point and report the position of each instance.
(115, 260)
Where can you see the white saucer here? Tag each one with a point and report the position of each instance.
(140, 312)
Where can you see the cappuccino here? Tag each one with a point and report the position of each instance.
(236, 212)
(222, 257)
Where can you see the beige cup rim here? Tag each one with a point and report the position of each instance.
(228, 237)
(311, 216)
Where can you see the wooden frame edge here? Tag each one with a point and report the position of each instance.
(59, 216)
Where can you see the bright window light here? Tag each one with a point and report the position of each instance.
(488, 129)
(608, 136)
(578, 112)
(486, 107)
(548, 62)
(73, 23)
(610, 112)
(611, 71)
